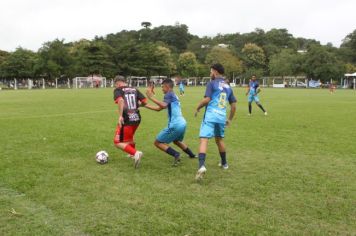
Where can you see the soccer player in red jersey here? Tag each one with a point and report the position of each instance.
(128, 99)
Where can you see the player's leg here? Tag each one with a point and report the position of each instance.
(185, 148)
(250, 99)
(165, 137)
(179, 141)
(123, 140)
(206, 132)
(219, 140)
(260, 106)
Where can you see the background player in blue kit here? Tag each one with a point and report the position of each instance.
(217, 94)
(181, 85)
(175, 130)
(252, 91)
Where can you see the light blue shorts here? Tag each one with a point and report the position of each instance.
(252, 98)
(210, 129)
(168, 135)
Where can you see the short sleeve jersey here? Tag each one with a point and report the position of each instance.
(132, 99)
(175, 116)
(220, 93)
(253, 87)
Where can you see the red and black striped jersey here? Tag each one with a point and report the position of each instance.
(132, 99)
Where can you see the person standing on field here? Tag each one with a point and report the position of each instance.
(128, 99)
(175, 130)
(217, 94)
(252, 92)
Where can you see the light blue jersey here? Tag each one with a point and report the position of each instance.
(181, 86)
(220, 93)
(176, 122)
(213, 124)
(252, 96)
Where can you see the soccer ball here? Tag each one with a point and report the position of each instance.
(102, 157)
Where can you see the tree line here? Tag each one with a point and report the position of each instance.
(171, 49)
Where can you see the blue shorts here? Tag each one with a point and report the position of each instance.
(168, 135)
(210, 129)
(252, 98)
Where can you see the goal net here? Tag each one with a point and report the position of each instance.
(89, 82)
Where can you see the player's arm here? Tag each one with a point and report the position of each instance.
(232, 101)
(161, 104)
(153, 108)
(248, 90)
(118, 97)
(258, 90)
(232, 113)
(205, 101)
(120, 103)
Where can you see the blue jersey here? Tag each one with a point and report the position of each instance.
(175, 116)
(253, 87)
(181, 86)
(220, 93)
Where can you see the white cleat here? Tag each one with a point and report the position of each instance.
(130, 156)
(265, 113)
(225, 167)
(137, 158)
(200, 173)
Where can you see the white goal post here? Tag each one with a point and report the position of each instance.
(89, 82)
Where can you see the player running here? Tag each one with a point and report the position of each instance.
(217, 94)
(252, 92)
(128, 100)
(175, 130)
(181, 86)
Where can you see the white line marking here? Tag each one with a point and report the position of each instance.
(57, 115)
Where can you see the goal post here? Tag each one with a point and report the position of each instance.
(89, 82)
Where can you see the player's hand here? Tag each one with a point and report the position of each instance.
(149, 92)
(120, 121)
(228, 122)
(196, 113)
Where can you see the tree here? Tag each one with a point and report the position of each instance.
(322, 64)
(176, 36)
(94, 58)
(349, 47)
(225, 56)
(19, 64)
(253, 56)
(284, 63)
(187, 64)
(146, 24)
(54, 59)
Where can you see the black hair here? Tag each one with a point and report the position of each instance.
(169, 82)
(119, 78)
(218, 67)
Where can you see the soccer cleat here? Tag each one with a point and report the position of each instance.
(225, 167)
(200, 173)
(137, 158)
(249, 114)
(265, 113)
(195, 156)
(130, 156)
(176, 161)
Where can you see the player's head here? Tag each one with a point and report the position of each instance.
(167, 85)
(253, 77)
(216, 70)
(119, 81)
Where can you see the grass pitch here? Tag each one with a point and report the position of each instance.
(291, 173)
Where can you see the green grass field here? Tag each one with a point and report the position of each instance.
(291, 173)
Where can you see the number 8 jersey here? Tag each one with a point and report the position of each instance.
(220, 93)
(132, 99)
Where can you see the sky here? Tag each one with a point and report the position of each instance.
(30, 23)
